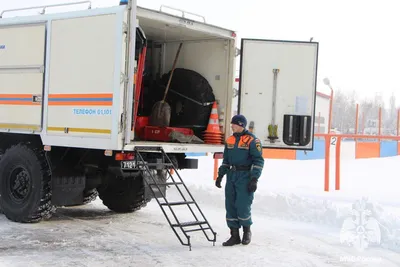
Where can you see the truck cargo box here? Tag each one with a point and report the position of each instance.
(73, 84)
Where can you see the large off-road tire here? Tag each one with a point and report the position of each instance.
(123, 195)
(88, 196)
(184, 112)
(25, 184)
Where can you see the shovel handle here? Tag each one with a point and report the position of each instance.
(172, 71)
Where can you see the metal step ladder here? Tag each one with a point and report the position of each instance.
(199, 223)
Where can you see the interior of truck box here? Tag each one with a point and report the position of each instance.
(202, 76)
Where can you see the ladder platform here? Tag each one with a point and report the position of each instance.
(177, 203)
(149, 149)
(185, 224)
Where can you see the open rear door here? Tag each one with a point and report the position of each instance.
(277, 91)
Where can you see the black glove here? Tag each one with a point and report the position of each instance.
(252, 185)
(218, 182)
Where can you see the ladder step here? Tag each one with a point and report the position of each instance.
(177, 203)
(166, 183)
(184, 224)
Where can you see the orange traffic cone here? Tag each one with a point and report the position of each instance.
(213, 134)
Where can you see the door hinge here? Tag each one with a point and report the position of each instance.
(122, 124)
(237, 52)
(124, 78)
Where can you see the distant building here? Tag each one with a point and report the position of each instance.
(372, 128)
(322, 113)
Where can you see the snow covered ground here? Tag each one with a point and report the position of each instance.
(296, 223)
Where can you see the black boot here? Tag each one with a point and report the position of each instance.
(246, 235)
(235, 238)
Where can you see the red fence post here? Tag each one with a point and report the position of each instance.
(328, 137)
(327, 160)
(337, 163)
(215, 169)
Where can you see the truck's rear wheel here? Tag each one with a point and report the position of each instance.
(25, 188)
(89, 196)
(123, 195)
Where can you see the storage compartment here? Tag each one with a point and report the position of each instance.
(163, 134)
(21, 76)
(203, 72)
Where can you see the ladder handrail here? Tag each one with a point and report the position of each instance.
(46, 6)
(183, 12)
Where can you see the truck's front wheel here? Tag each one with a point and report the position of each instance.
(25, 189)
(123, 195)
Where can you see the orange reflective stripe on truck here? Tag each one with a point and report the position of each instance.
(80, 99)
(18, 99)
(59, 99)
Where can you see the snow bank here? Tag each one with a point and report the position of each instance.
(375, 178)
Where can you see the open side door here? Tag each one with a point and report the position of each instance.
(277, 91)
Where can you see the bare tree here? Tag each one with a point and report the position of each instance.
(391, 118)
(344, 111)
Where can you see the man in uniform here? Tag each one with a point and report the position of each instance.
(243, 163)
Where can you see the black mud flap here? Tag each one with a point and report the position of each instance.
(189, 164)
(68, 190)
(158, 177)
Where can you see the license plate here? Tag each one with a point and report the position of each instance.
(128, 164)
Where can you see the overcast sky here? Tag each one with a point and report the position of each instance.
(359, 40)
